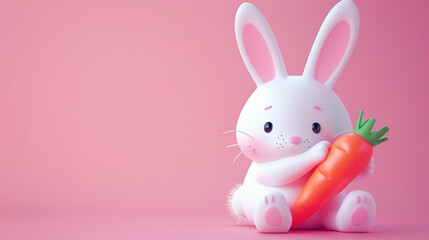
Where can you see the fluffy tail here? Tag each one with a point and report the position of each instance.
(234, 203)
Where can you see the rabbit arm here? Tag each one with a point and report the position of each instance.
(287, 170)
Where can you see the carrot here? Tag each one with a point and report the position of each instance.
(346, 159)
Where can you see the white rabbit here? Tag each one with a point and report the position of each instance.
(287, 125)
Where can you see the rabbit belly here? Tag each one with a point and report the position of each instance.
(252, 192)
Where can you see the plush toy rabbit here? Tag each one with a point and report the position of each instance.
(287, 125)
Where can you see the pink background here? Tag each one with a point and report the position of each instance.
(111, 113)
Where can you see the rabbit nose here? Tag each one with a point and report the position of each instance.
(295, 140)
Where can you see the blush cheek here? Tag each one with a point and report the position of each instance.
(326, 137)
(262, 153)
(246, 143)
(255, 153)
(244, 140)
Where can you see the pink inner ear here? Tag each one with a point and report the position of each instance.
(332, 51)
(258, 52)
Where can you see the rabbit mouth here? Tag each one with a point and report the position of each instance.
(284, 145)
(283, 141)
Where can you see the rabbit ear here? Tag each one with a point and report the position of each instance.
(257, 45)
(334, 43)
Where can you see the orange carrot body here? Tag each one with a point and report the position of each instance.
(346, 159)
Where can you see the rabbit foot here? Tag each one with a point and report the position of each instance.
(272, 214)
(356, 213)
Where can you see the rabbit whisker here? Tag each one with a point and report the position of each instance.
(342, 133)
(238, 145)
(241, 153)
(230, 131)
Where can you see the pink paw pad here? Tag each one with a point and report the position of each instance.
(356, 213)
(359, 216)
(273, 216)
(364, 199)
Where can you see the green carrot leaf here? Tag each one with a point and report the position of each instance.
(364, 130)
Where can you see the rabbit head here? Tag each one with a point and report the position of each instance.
(287, 115)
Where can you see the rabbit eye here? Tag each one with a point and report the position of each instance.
(268, 127)
(316, 128)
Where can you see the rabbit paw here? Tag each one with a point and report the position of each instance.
(272, 214)
(320, 151)
(356, 213)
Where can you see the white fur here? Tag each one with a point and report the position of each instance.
(278, 165)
